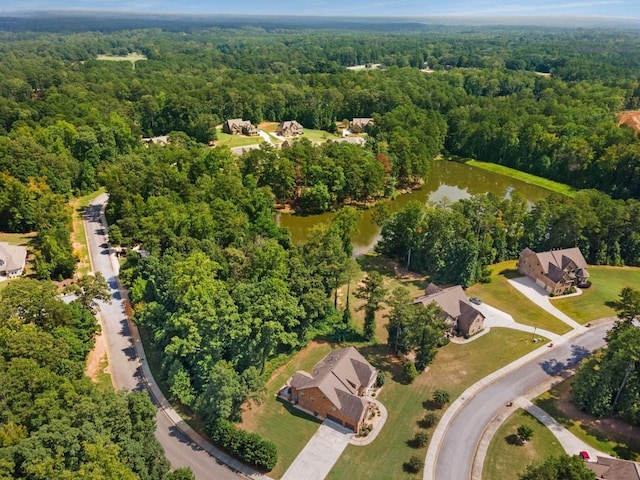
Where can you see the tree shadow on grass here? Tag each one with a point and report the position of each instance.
(431, 405)
(510, 273)
(381, 357)
(513, 439)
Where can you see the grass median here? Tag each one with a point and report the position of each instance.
(507, 456)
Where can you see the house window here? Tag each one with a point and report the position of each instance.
(324, 397)
(333, 408)
(302, 394)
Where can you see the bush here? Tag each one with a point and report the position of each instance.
(409, 371)
(421, 439)
(441, 397)
(413, 465)
(382, 378)
(248, 447)
(429, 420)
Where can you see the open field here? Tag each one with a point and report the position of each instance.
(232, 141)
(498, 293)
(524, 177)
(318, 135)
(78, 235)
(455, 368)
(507, 457)
(595, 302)
(131, 57)
(609, 435)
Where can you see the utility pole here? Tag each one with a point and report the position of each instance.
(533, 338)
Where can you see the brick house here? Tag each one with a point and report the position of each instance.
(290, 128)
(557, 271)
(336, 388)
(12, 260)
(237, 126)
(457, 311)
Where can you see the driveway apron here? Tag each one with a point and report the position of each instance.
(320, 453)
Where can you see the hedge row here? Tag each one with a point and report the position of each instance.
(248, 447)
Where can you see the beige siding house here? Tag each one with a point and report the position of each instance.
(457, 312)
(336, 388)
(557, 271)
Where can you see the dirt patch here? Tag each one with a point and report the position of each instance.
(605, 429)
(630, 118)
(95, 357)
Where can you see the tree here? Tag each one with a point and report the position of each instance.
(420, 439)
(89, 289)
(371, 290)
(562, 467)
(441, 397)
(409, 371)
(183, 473)
(414, 464)
(525, 432)
(628, 305)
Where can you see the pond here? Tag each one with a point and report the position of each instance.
(450, 180)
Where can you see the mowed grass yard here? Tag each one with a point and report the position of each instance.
(500, 294)
(232, 141)
(595, 302)
(288, 428)
(455, 368)
(507, 457)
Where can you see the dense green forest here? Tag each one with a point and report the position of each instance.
(224, 292)
(54, 422)
(455, 243)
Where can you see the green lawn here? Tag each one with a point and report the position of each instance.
(232, 141)
(455, 368)
(606, 285)
(620, 440)
(103, 379)
(78, 236)
(524, 177)
(287, 427)
(498, 293)
(506, 456)
(318, 135)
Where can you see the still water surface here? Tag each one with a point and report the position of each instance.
(450, 180)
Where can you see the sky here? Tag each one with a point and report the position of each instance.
(382, 8)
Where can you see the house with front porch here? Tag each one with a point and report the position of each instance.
(336, 388)
(557, 271)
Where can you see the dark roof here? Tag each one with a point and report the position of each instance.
(339, 376)
(559, 259)
(467, 315)
(290, 124)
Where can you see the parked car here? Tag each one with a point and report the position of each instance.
(585, 456)
(475, 300)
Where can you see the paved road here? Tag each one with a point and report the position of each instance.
(454, 459)
(125, 365)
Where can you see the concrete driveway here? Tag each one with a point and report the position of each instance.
(539, 296)
(320, 454)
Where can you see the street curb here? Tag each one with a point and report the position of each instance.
(162, 404)
(454, 408)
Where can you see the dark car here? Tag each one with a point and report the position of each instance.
(475, 300)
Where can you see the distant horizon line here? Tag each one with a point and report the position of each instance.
(294, 15)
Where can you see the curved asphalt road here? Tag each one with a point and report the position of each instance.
(457, 449)
(125, 365)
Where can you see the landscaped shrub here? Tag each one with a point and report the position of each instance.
(382, 378)
(429, 420)
(413, 465)
(441, 398)
(248, 447)
(409, 371)
(421, 439)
